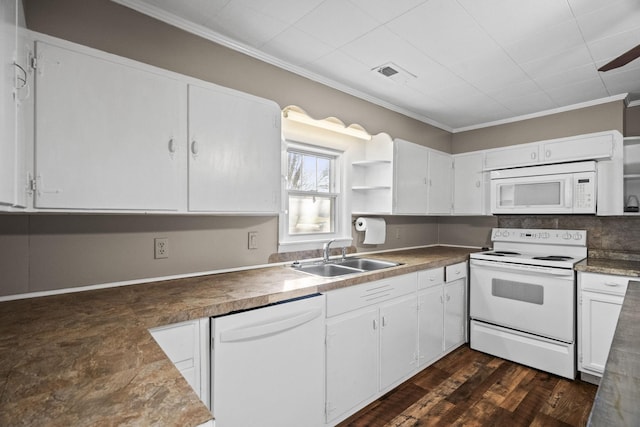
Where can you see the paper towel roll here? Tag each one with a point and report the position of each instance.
(375, 230)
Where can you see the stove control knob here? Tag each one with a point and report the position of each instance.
(577, 236)
(505, 233)
(566, 236)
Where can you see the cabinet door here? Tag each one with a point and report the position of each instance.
(455, 313)
(440, 176)
(579, 148)
(518, 155)
(108, 135)
(430, 325)
(235, 150)
(352, 360)
(8, 106)
(468, 184)
(398, 340)
(410, 178)
(599, 317)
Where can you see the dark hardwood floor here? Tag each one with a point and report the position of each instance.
(469, 388)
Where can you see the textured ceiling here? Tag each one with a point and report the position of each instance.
(463, 63)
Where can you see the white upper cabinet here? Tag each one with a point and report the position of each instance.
(410, 178)
(108, 136)
(440, 177)
(469, 184)
(8, 105)
(234, 151)
(518, 155)
(585, 147)
(422, 180)
(594, 146)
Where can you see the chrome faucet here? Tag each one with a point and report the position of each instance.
(325, 250)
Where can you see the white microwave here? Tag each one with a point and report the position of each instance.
(567, 188)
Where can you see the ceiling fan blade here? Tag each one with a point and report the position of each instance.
(623, 59)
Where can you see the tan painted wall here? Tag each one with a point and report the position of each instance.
(113, 28)
(597, 118)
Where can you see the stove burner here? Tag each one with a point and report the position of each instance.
(502, 253)
(553, 258)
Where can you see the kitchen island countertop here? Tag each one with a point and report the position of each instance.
(87, 358)
(616, 402)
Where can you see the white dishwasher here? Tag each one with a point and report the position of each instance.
(267, 365)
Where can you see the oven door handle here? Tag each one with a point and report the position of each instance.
(533, 269)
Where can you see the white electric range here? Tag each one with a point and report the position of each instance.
(522, 297)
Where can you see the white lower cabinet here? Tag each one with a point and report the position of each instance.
(381, 333)
(370, 342)
(599, 301)
(398, 350)
(442, 311)
(186, 344)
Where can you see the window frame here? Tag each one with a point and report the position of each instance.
(338, 192)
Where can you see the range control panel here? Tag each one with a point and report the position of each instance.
(535, 235)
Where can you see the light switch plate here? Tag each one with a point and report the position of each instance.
(253, 240)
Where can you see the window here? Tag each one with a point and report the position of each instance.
(311, 201)
(313, 198)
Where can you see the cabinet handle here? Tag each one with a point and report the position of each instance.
(441, 300)
(384, 321)
(375, 324)
(533, 156)
(611, 284)
(448, 297)
(172, 145)
(195, 148)
(478, 184)
(548, 153)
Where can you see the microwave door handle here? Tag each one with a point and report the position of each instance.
(568, 193)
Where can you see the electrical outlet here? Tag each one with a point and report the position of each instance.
(161, 248)
(253, 240)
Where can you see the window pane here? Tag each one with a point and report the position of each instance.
(323, 175)
(308, 173)
(294, 171)
(308, 214)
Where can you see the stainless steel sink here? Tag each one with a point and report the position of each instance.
(366, 264)
(341, 267)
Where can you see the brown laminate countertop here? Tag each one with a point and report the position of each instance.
(620, 267)
(618, 395)
(87, 358)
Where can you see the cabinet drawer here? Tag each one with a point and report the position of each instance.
(456, 271)
(430, 278)
(179, 342)
(352, 298)
(605, 283)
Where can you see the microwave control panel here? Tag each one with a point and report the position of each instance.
(584, 192)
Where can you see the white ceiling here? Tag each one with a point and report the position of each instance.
(475, 62)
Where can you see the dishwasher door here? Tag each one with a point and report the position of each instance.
(268, 365)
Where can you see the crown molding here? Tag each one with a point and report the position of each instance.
(544, 113)
(225, 41)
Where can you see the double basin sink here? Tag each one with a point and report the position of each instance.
(340, 267)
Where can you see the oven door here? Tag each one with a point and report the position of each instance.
(538, 300)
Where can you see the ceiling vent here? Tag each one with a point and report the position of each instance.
(394, 72)
(387, 71)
